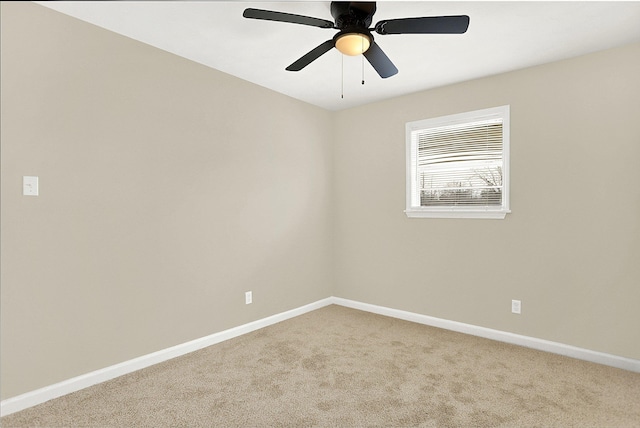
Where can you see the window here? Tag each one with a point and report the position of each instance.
(458, 165)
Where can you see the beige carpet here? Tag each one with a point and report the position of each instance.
(339, 367)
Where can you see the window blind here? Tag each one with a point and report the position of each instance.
(460, 165)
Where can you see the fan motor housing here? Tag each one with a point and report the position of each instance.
(352, 14)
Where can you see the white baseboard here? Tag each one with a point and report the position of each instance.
(501, 336)
(32, 398)
(29, 399)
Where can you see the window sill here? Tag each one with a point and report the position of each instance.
(460, 213)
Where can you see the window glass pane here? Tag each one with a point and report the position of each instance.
(460, 165)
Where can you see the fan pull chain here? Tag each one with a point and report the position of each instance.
(362, 58)
(342, 76)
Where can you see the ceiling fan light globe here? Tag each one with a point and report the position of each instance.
(353, 43)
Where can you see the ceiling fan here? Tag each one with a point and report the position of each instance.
(354, 37)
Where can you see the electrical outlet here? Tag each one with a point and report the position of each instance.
(516, 306)
(30, 186)
(248, 297)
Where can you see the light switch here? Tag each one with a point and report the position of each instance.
(30, 186)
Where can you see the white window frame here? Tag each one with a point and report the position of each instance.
(413, 208)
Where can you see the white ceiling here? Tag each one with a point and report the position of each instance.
(502, 36)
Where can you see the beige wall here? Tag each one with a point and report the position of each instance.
(570, 249)
(167, 190)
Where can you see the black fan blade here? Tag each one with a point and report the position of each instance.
(270, 15)
(311, 56)
(380, 61)
(426, 25)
